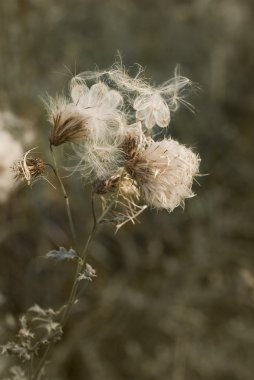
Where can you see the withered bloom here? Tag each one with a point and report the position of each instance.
(105, 185)
(123, 191)
(29, 168)
(68, 122)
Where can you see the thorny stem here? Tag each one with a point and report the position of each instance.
(80, 263)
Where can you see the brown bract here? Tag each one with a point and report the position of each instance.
(104, 185)
(68, 127)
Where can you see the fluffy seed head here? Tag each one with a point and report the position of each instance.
(164, 172)
(69, 124)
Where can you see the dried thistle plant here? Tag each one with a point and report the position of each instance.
(108, 120)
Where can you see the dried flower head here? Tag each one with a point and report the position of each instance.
(164, 172)
(122, 192)
(29, 168)
(68, 123)
(93, 119)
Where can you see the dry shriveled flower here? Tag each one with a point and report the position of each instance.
(120, 190)
(164, 172)
(29, 168)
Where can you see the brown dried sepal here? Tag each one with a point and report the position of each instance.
(138, 168)
(105, 185)
(36, 166)
(130, 146)
(68, 129)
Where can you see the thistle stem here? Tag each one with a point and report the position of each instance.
(67, 201)
(81, 263)
(79, 268)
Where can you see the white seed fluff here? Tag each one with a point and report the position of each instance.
(152, 109)
(153, 105)
(165, 171)
(100, 105)
(97, 160)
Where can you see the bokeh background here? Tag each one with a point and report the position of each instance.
(174, 297)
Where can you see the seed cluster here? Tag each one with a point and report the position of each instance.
(110, 119)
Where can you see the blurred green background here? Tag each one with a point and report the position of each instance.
(174, 297)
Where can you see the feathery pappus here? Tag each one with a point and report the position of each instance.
(164, 171)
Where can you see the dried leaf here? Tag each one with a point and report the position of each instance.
(62, 254)
(87, 274)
